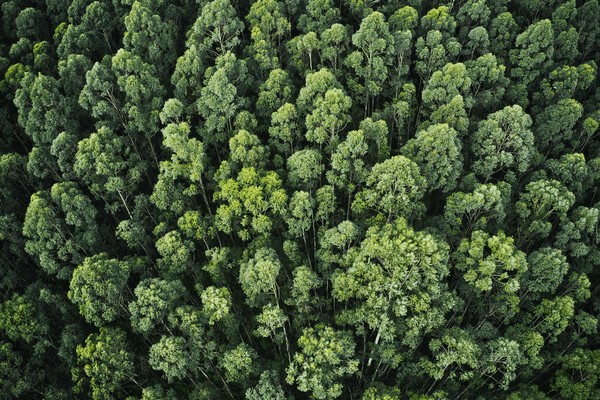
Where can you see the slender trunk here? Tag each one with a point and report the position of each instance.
(125, 204)
(376, 343)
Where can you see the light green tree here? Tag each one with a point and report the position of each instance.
(325, 357)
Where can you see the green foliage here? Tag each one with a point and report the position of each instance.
(98, 288)
(169, 356)
(285, 199)
(480, 209)
(533, 51)
(252, 202)
(326, 355)
(217, 29)
(238, 363)
(259, 275)
(399, 295)
(61, 228)
(370, 60)
(394, 188)
(219, 99)
(492, 264)
(19, 321)
(437, 152)
(268, 387)
(578, 375)
(216, 303)
(154, 299)
(504, 144)
(104, 364)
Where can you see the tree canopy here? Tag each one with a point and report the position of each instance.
(299, 199)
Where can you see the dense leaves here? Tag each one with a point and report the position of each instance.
(285, 199)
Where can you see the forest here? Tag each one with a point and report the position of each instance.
(299, 199)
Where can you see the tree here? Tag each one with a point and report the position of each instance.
(268, 27)
(30, 23)
(305, 168)
(503, 145)
(393, 285)
(271, 320)
(393, 188)
(503, 31)
(348, 170)
(258, 275)
(188, 76)
(157, 392)
(151, 38)
(109, 168)
(91, 31)
(217, 29)
(481, 209)
(377, 136)
(403, 24)
(533, 53)
(334, 42)
(98, 288)
(320, 15)
(563, 82)
(61, 228)
(578, 375)
(123, 92)
(547, 268)
(302, 295)
(238, 363)
(304, 50)
(251, 203)
(104, 363)
(402, 111)
(552, 316)
(181, 178)
(555, 126)
(11, 381)
(154, 300)
(439, 19)
(316, 85)
(170, 357)
(488, 83)
(221, 98)
(246, 150)
(503, 360)
(472, 13)
(143, 96)
(276, 91)
(20, 320)
(478, 43)
(328, 118)
(216, 303)
(43, 114)
(268, 387)
(541, 205)
(284, 131)
(589, 32)
(444, 85)
(325, 357)
(301, 218)
(437, 152)
(455, 354)
(433, 53)
(492, 269)
(381, 392)
(572, 170)
(370, 61)
(176, 253)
